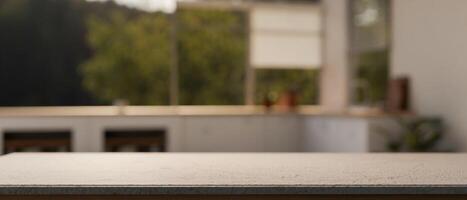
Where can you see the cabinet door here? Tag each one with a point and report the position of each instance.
(222, 134)
(281, 133)
(335, 134)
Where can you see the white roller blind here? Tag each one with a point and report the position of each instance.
(285, 36)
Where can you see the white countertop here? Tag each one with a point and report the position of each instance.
(154, 173)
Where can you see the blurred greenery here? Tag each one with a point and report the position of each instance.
(212, 50)
(131, 58)
(417, 135)
(372, 72)
(272, 83)
(370, 38)
(74, 52)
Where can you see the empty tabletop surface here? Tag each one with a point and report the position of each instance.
(224, 173)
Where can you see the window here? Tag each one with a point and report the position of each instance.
(98, 52)
(370, 38)
(286, 51)
(212, 50)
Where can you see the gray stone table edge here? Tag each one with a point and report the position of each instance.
(231, 174)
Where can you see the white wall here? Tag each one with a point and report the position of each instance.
(430, 45)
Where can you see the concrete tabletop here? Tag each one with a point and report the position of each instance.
(154, 174)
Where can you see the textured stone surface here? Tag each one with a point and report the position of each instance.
(153, 173)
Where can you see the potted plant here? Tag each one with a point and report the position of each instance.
(417, 135)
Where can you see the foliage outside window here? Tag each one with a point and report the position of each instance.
(212, 48)
(74, 52)
(131, 58)
(370, 50)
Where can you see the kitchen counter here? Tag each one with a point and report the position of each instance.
(135, 111)
(210, 128)
(305, 175)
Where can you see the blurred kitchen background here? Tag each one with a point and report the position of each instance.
(233, 75)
